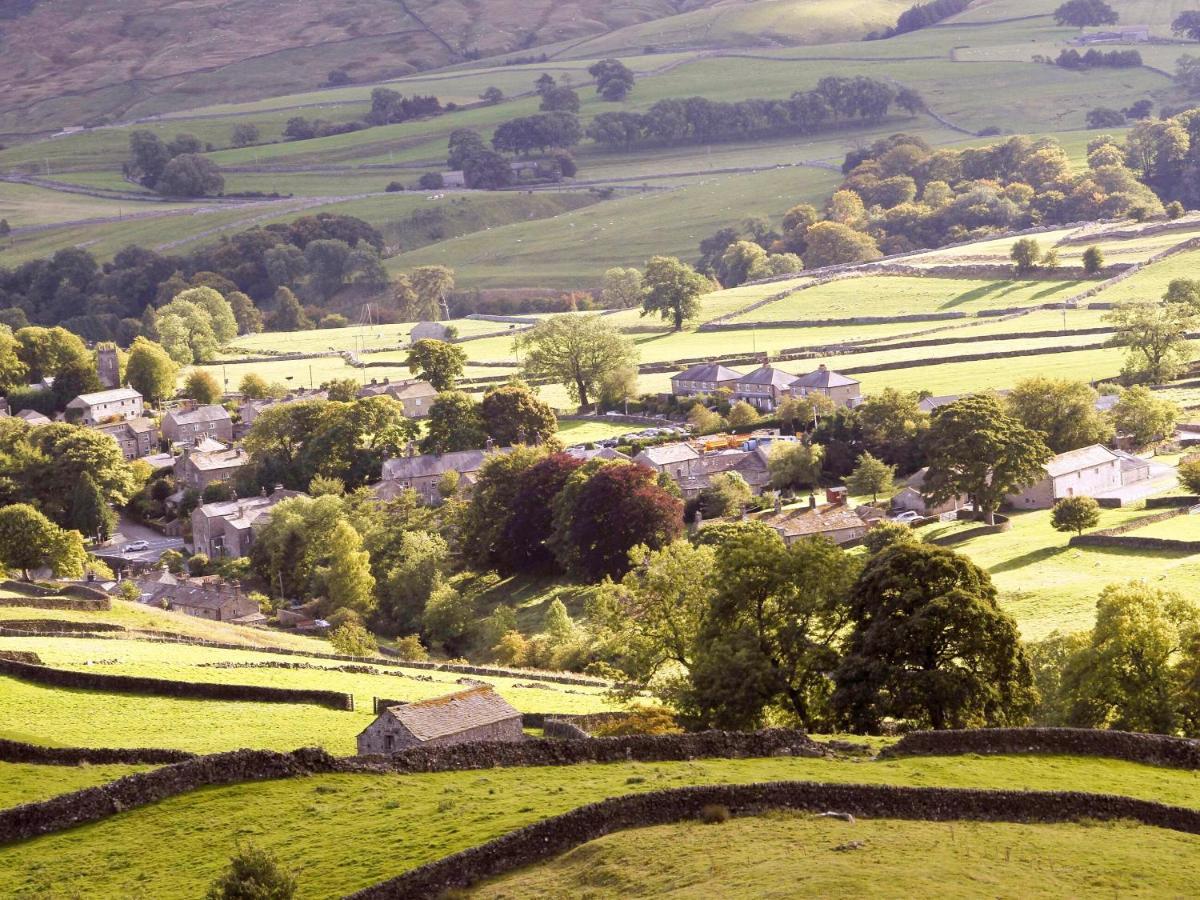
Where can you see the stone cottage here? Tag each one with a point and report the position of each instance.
(106, 406)
(477, 714)
(193, 425)
(1086, 472)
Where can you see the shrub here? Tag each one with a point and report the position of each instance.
(885, 533)
(1189, 474)
(127, 590)
(715, 814)
(1174, 209)
(411, 648)
(253, 874)
(352, 639)
(640, 720)
(394, 187)
(1075, 514)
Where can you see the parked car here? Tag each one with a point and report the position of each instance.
(907, 517)
(136, 547)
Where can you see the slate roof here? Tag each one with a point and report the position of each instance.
(666, 454)
(199, 415)
(429, 465)
(194, 596)
(771, 376)
(410, 389)
(219, 459)
(1084, 458)
(140, 425)
(824, 377)
(33, 417)
(453, 713)
(114, 396)
(596, 453)
(708, 372)
(804, 521)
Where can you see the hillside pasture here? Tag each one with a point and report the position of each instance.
(394, 823)
(29, 783)
(752, 856)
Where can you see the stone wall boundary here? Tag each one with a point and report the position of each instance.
(555, 835)
(160, 687)
(19, 752)
(1147, 749)
(76, 604)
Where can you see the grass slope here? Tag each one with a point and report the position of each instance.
(386, 824)
(758, 856)
(29, 783)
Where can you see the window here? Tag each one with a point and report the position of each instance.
(388, 742)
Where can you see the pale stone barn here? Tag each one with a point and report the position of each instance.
(1086, 472)
(477, 714)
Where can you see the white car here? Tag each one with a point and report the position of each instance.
(907, 517)
(136, 546)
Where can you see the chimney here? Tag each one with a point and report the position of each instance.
(812, 501)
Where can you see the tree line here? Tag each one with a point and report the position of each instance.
(922, 15)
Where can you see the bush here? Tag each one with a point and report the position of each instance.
(640, 720)
(1189, 474)
(715, 814)
(411, 648)
(1075, 514)
(1174, 209)
(394, 187)
(129, 591)
(253, 874)
(885, 533)
(352, 639)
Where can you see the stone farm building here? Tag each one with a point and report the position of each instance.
(477, 714)
(428, 331)
(1087, 472)
(677, 460)
(834, 521)
(136, 437)
(751, 465)
(194, 425)
(105, 406)
(911, 498)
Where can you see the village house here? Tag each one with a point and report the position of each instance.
(835, 521)
(911, 497)
(750, 464)
(105, 406)
(227, 528)
(424, 473)
(677, 460)
(250, 409)
(197, 469)
(705, 378)
(193, 425)
(607, 453)
(476, 714)
(1086, 472)
(764, 387)
(33, 417)
(415, 395)
(137, 438)
(840, 389)
(205, 599)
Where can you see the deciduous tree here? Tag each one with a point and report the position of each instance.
(871, 476)
(672, 289)
(150, 371)
(455, 423)
(1075, 514)
(202, 387)
(1062, 410)
(513, 414)
(1144, 416)
(577, 351)
(28, 541)
(438, 362)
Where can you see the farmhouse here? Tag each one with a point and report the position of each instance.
(1078, 473)
(415, 395)
(197, 469)
(705, 378)
(676, 460)
(193, 425)
(764, 387)
(103, 406)
(843, 391)
(136, 437)
(478, 714)
(424, 473)
(226, 529)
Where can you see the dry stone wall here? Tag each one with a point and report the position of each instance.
(18, 752)
(551, 837)
(1150, 749)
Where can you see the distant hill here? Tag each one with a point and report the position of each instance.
(73, 62)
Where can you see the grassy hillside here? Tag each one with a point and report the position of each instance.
(872, 858)
(393, 823)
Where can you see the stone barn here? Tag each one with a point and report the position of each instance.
(477, 714)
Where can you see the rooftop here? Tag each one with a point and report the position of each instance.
(1083, 458)
(665, 454)
(116, 395)
(207, 461)
(769, 375)
(453, 713)
(824, 377)
(708, 372)
(429, 464)
(201, 414)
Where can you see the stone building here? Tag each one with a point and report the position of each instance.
(193, 425)
(108, 366)
(424, 473)
(415, 395)
(677, 460)
(136, 437)
(250, 409)
(706, 378)
(477, 714)
(428, 331)
(200, 468)
(764, 387)
(106, 406)
(205, 599)
(843, 391)
(227, 528)
(1086, 472)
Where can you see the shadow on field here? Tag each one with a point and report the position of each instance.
(1027, 559)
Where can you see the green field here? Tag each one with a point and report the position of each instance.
(1047, 586)
(393, 823)
(754, 856)
(38, 714)
(29, 783)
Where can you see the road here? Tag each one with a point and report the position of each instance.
(129, 531)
